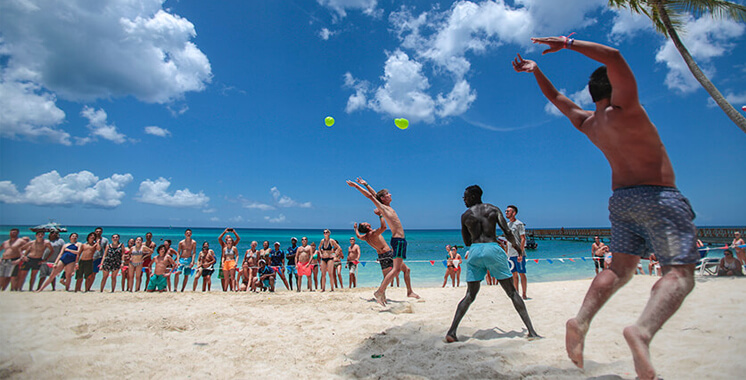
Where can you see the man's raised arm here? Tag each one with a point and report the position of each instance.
(623, 84)
(568, 108)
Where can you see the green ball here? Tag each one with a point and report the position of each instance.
(402, 123)
(329, 121)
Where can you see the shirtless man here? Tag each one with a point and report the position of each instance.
(84, 264)
(205, 263)
(162, 262)
(264, 252)
(353, 258)
(641, 173)
(374, 238)
(598, 253)
(187, 251)
(478, 224)
(11, 260)
(47, 267)
(303, 262)
(382, 200)
(103, 243)
(737, 244)
(34, 259)
(147, 259)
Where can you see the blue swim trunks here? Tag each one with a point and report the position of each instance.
(658, 219)
(485, 257)
(399, 247)
(518, 266)
(184, 266)
(291, 270)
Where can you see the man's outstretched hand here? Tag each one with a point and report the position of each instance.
(554, 43)
(524, 65)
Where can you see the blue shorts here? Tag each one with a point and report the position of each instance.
(96, 263)
(518, 266)
(399, 247)
(658, 219)
(485, 257)
(291, 270)
(184, 266)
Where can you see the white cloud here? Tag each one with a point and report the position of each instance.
(157, 131)
(236, 219)
(82, 51)
(30, 112)
(214, 219)
(439, 43)
(258, 206)
(629, 24)
(285, 201)
(98, 127)
(156, 192)
(705, 38)
(279, 219)
(341, 6)
(325, 33)
(581, 98)
(209, 210)
(50, 189)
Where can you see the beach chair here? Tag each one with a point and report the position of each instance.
(708, 266)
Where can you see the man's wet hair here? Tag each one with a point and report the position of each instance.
(362, 229)
(599, 85)
(474, 191)
(381, 193)
(158, 250)
(515, 209)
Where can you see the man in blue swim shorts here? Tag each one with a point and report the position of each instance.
(478, 226)
(382, 200)
(187, 252)
(647, 212)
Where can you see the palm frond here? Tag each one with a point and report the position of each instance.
(719, 9)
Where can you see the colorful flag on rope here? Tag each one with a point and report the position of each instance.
(536, 261)
(549, 261)
(432, 262)
(583, 258)
(445, 263)
(363, 262)
(571, 260)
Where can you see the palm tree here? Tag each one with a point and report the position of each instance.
(666, 16)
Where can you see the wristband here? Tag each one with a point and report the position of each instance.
(568, 41)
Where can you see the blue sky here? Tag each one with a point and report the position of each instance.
(194, 113)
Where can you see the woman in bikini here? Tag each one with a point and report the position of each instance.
(229, 254)
(327, 247)
(137, 257)
(111, 262)
(450, 268)
(65, 261)
(126, 264)
(250, 265)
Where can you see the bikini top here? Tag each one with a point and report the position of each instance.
(328, 247)
(72, 246)
(136, 253)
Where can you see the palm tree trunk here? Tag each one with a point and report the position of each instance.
(729, 110)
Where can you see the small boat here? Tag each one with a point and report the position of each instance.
(49, 227)
(531, 243)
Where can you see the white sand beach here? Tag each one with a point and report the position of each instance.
(333, 335)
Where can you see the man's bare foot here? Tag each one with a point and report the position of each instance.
(413, 295)
(574, 341)
(451, 338)
(640, 346)
(380, 298)
(524, 296)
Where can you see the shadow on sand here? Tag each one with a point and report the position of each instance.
(414, 350)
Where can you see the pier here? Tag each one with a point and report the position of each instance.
(708, 235)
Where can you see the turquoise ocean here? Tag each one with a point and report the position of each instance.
(557, 260)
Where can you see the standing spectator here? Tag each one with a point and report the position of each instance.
(598, 254)
(103, 243)
(519, 261)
